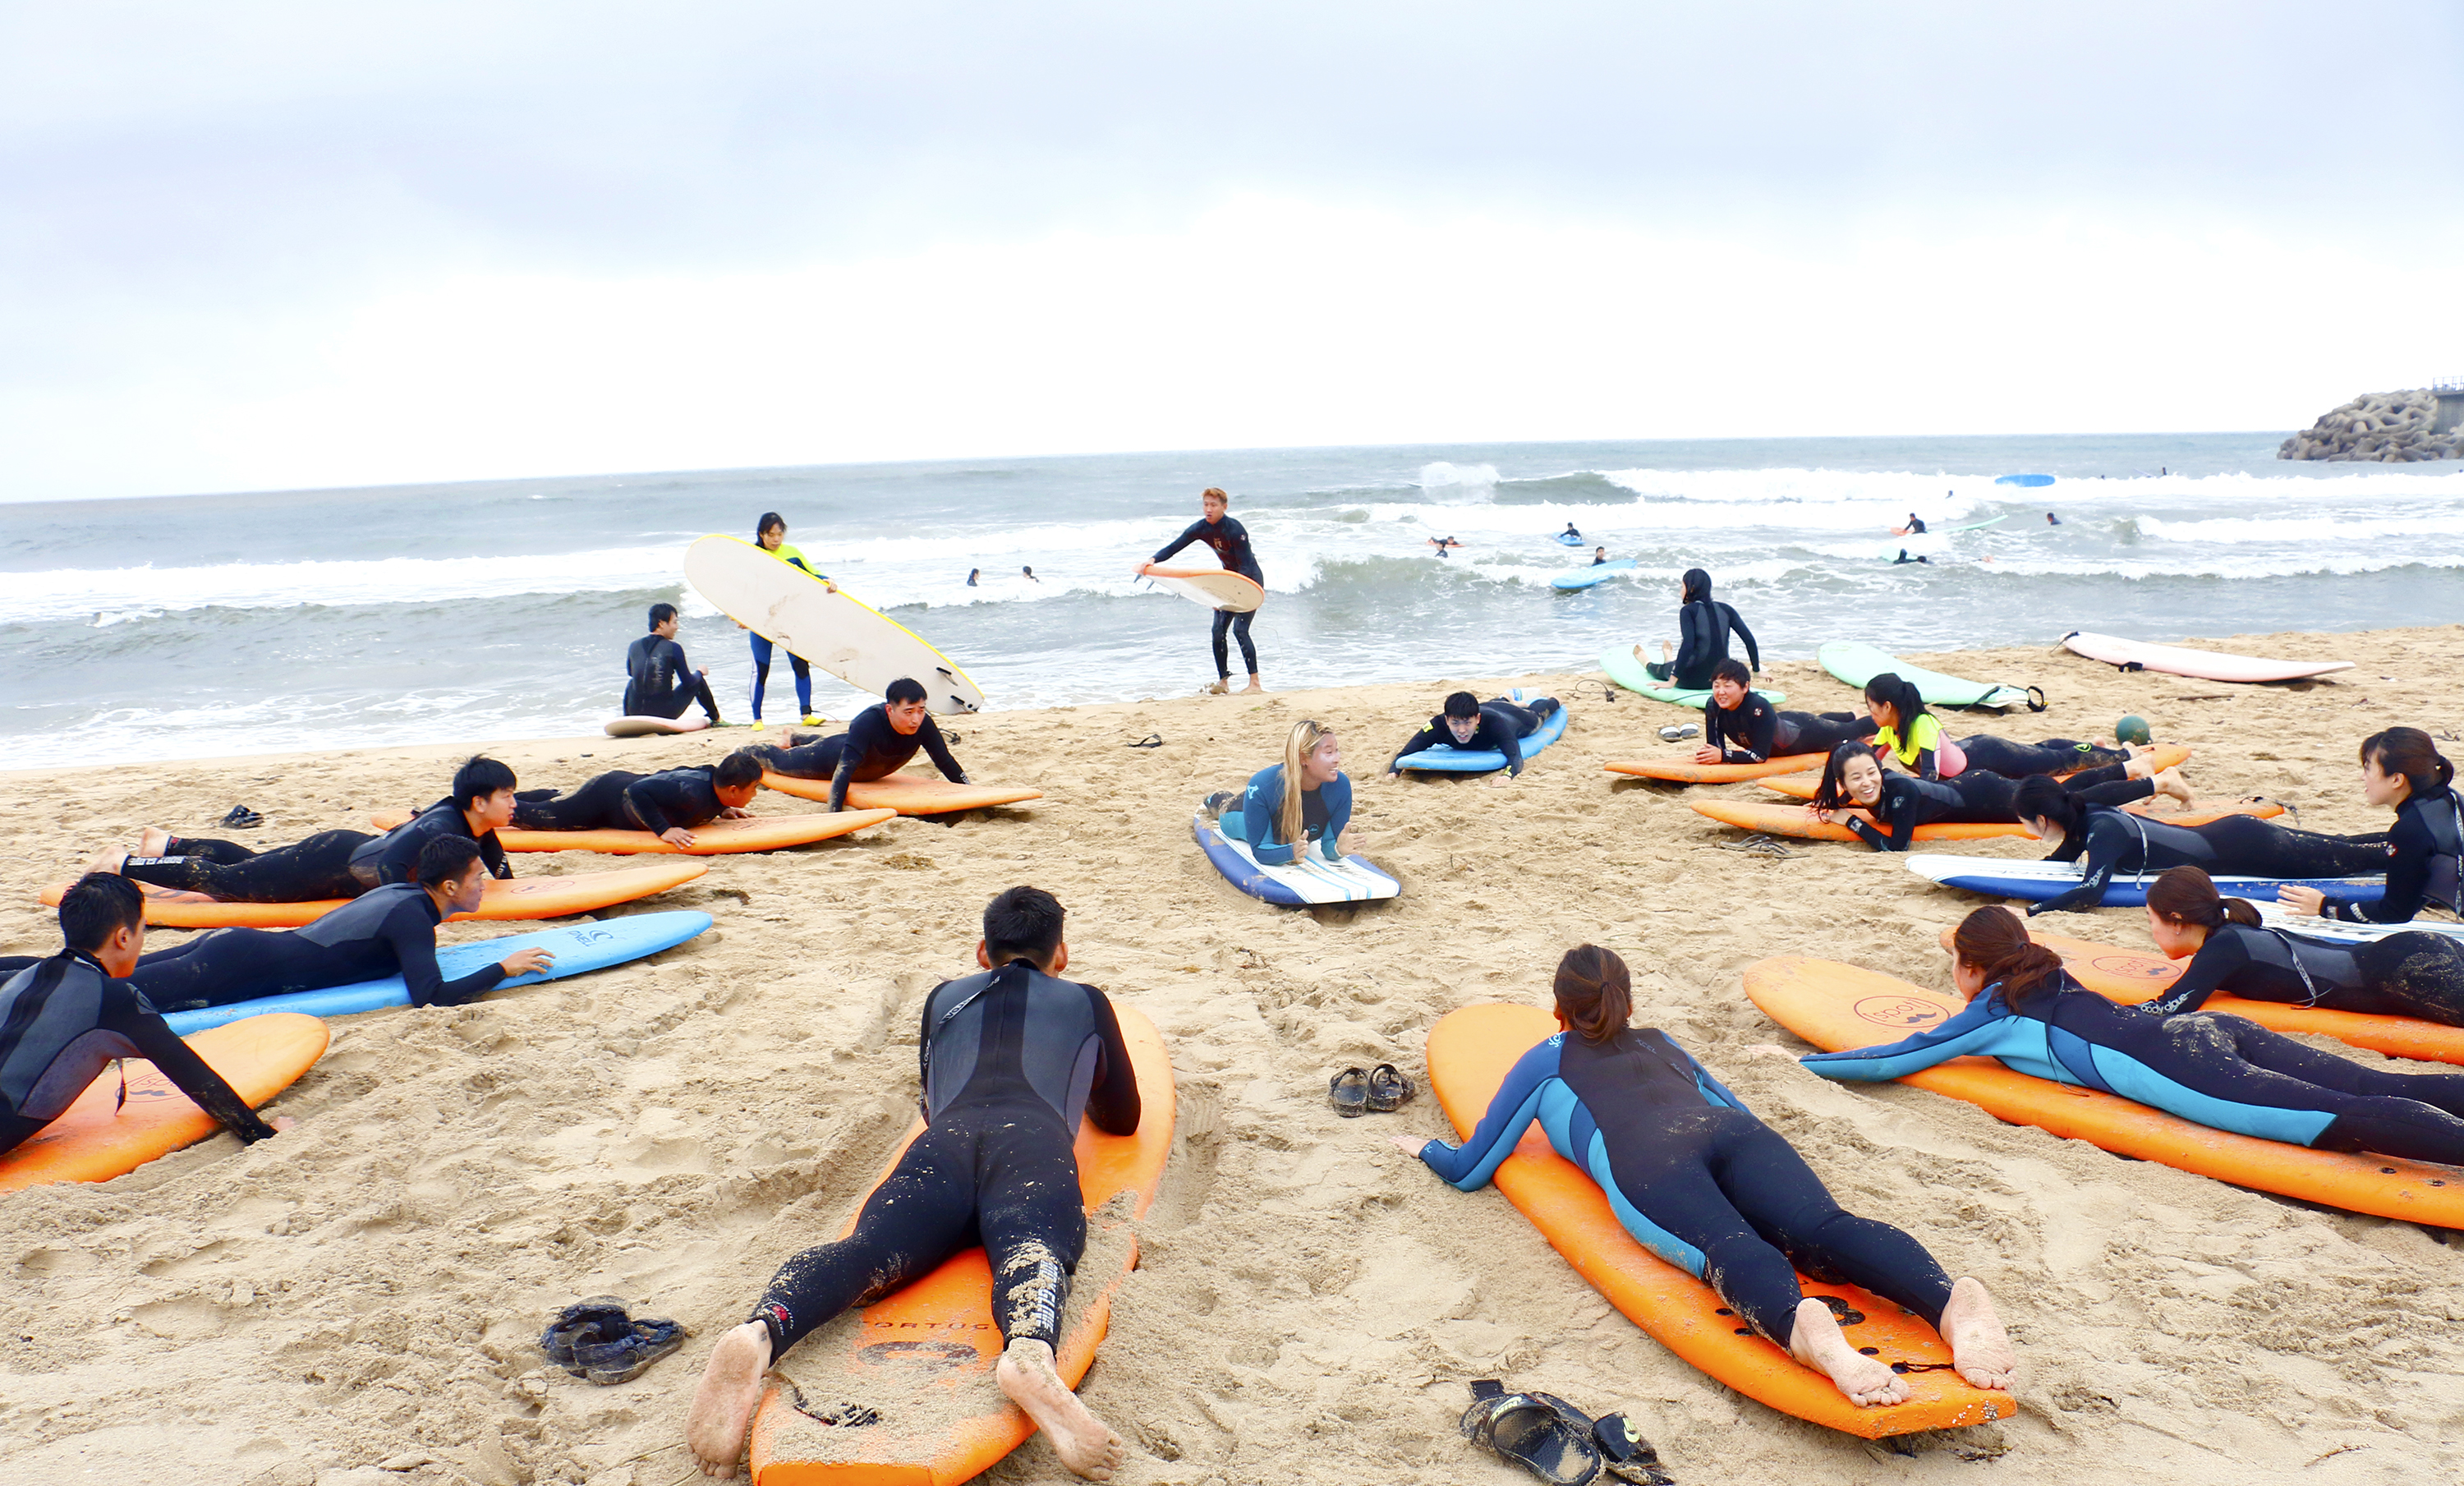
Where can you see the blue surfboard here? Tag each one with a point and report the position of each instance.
(2024, 479)
(2035, 881)
(1569, 539)
(1447, 758)
(1585, 577)
(1310, 881)
(578, 948)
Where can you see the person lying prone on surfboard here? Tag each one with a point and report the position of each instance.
(877, 743)
(1011, 1057)
(65, 1018)
(668, 804)
(1741, 727)
(1498, 726)
(1885, 810)
(1280, 826)
(1702, 1183)
(2231, 950)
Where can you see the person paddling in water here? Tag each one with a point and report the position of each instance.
(1011, 1058)
(1702, 1183)
(1230, 541)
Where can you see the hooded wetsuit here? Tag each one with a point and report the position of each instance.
(2422, 851)
(2411, 974)
(389, 931)
(1703, 627)
(1324, 813)
(1504, 724)
(326, 865)
(658, 683)
(1010, 1059)
(1977, 796)
(392, 856)
(2221, 1072)
(1230, 541)
(2241, 846)
(63, 1019)
(673, 799)
(1693, 1176)
(870, 749)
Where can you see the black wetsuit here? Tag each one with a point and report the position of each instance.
(1230, 541)
(392, 856)
(326, 865)
(1504, 724)
(2227, 846)
(1693, 1176)
(870, 749)
(389, 931)
(2019, 760)
(2412, 974)
(1976, 796)
(658, 684)
(1703, 627)
(673, 799)
(1010, 1058)
(63, 1019)
(2422, 851)
(1756, 731)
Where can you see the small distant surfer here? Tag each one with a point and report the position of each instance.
(876, 745)
(1600, 555)
(657, 684)
(1028, 573)
(1443, 544)
(1916, 526)
(1904, 558)
(1230, 541)
(974, 573)
(2050, 520)
(1569, 536)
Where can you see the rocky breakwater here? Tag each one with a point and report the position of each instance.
(2390, 428)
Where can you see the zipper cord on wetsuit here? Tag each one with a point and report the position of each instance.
(2298, 968)
(2140, 826)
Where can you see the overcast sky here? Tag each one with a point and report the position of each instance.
(270, 245)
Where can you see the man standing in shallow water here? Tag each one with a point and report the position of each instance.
(1230, 541)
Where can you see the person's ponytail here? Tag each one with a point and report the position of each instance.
(1595, 993)
(2408, 751)
(1901, 697)
(1995, 941)
(2187, 895)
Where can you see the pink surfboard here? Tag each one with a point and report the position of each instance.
(2204, 664)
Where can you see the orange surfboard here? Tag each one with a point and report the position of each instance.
(717, 838)
(98, 1138)
(922, 1360)
(1685, 772)
(1791, 820)
(908, 794)
(2131, 976)
(514, 897)
(1837, 1007)
(1470, 1053)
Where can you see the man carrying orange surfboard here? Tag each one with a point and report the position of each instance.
(1011, 1058)
(1230, 541)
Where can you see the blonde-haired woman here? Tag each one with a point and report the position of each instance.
(1280, 823)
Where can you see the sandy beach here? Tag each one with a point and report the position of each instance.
(357, 1302)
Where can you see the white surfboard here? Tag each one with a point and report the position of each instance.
(637, 727)
(2202, 664)
(1216, 588)
(849, 639)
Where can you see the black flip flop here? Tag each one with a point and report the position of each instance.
(1555, 1441)
(1149, 741)
(596, 1320)
(623, 1358)
(1388, 1090)
(242, 818)
(1349, 1092)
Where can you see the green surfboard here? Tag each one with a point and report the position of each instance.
(1625, 668)
(1857, 663)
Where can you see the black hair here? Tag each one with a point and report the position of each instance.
(479, 778)
(1025, 921)
(1832, 795)
(2408, 751)
(737, 770)
(2043, 795)
(1995, 941)
(661, 614)
(1732, 669)
(1698, 587)
(1595, 992)
(444, 858)
(2187, 895)
(905, 689)
(761, 527)
(97, 906)
(1461, 704)
(1901, 697)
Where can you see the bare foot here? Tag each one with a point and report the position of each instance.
(1217, 688)
(722, 1405)
(1253, 686)
(1085, 1446)
(1868, 1381)
(109, 861)
(2170, 783)
(153, 841)
(1979, 1347)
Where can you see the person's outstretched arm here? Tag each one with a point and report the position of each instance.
(1469, 1167)
(2107, 840)
(414, 939)
(492, 855)
(2205, 975)
(179, 1062)
(2410, 846)
(1339, 814)
(1425, 738)
(1975, 1029)
(1197, 529)
(937, 748)
(1112, 1103)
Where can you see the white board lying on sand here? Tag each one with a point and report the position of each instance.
(2207, 665)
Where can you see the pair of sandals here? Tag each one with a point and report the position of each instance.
(242, 818)
(1381, 1090)
(1556, 1441)
(595, 1339)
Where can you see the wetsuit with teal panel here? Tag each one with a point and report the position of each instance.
(1324, 813)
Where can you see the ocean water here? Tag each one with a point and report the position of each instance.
(193, 626)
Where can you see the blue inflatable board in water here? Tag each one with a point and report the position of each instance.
(1598, 573)
(1447, 758)
(2035, 881)
(578, 948)
(1567, 538)
(1312, 880)
(2024, 479)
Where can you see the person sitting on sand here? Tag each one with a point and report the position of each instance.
(1885, 810)
(2403, 769)
(1702, 1183)
(877, 743)
(2231, 951)
(1469, 724)
(1704, 625)
(63, 1020)
(331, 863)
(2221, 1072)
(668, 804)
(1011, 1057)
(1741, 727)
(386, 931)
(657, 681)
(1277, 824)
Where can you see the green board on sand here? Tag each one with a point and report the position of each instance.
(1857, 663)
(1625, 668)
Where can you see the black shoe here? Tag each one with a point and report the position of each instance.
(595, 1320)
(623, 1358)
(242, 818)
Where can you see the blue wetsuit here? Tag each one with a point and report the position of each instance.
(1693, 1176)
(2221, 1072)
(1324, 813)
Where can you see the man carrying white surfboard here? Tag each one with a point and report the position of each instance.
(1230, 541)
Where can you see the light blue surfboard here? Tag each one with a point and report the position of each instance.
(1567, 540)
(1585, 577)
(578, 948)
(2024, 479)
(1447, 758)
(2035, 881)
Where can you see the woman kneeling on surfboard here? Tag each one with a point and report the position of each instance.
(1702, 1183)
(1885, 810)
(2415, 973)
(2221, 1072)
(1279, 823)
(1011, 1058)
